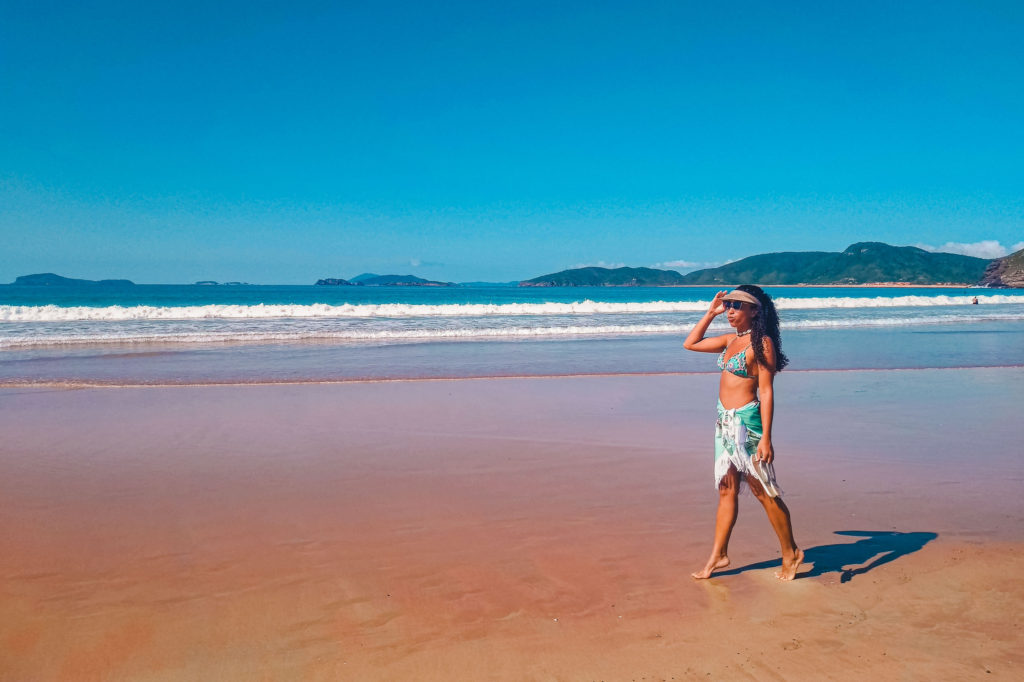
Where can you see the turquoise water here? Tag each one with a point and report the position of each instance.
(194, 295)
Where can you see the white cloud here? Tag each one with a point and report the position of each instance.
(598, 264)
(687, 265)
(988, 248)
(679, 264)
(420, 263)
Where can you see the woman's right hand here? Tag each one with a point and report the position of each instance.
(717, 307)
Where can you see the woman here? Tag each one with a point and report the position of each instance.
(749, 359)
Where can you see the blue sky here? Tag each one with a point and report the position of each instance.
(284, 142)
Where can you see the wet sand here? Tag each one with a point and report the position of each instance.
(518, 529)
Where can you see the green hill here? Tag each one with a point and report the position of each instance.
(860, 263)
(368, 279)
(606, 277)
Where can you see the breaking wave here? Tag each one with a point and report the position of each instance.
(228, 333)
(116, 313)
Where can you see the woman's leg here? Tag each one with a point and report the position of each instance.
(725, 519)
(778, 515)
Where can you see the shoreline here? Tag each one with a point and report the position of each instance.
(81, 385)
(879, 285)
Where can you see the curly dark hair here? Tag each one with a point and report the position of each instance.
(765, 323)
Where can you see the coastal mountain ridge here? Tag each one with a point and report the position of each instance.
(860, 263)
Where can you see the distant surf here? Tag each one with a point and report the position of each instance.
(44, 322)
(55, 313)
(233, 333)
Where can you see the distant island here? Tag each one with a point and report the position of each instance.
(211, 283)
(48, 279)
(368, 279)
(606, 277)
(862, 263)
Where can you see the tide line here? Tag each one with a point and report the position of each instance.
(67, 384)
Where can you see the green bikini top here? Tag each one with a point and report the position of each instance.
(737, 364)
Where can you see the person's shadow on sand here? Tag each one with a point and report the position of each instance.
(849, 559)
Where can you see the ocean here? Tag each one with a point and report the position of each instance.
(187, 334)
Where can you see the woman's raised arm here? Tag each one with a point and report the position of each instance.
(696, 341)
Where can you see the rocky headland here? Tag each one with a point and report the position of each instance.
(1005, 272)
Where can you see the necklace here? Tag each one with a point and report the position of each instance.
(739, 334)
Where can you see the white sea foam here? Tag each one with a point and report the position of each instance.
(53, 313)
(249, 335)
(783, 303)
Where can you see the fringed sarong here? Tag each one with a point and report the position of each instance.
(737, 433)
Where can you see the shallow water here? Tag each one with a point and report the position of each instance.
(964, 345)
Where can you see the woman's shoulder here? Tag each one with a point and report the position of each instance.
(768, 349)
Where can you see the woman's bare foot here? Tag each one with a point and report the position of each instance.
(790, 566)
(714, 563)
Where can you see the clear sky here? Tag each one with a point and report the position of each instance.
(284, 142)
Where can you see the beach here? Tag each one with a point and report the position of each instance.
(358, 342)
(537, 528)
